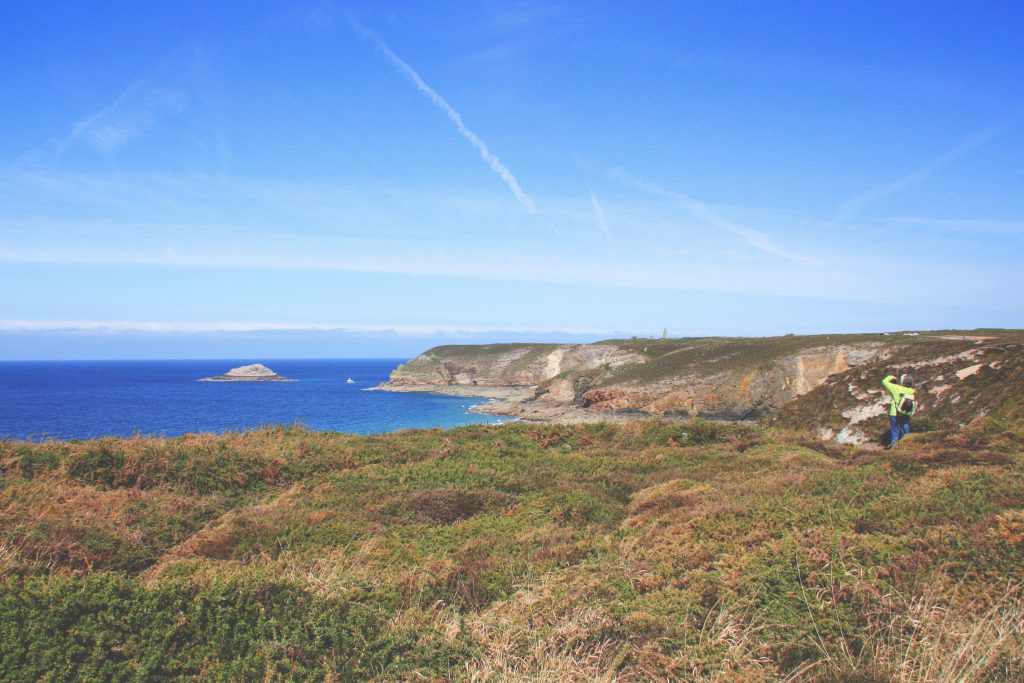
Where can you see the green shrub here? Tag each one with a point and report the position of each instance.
(99, 465)
(109, 627)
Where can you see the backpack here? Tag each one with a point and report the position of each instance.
(906, 405)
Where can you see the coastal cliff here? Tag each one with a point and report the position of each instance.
(957, 382)
(491, 366)
(791, 381)
(623, 379)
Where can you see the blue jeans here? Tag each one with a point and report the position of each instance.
(899, 427)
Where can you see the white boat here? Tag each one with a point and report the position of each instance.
(350, 381)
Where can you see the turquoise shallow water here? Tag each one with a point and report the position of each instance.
(87, 399)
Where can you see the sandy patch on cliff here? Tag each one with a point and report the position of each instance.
(553, 365)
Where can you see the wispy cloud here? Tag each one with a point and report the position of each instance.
(181, 221)
(492, 160)
(968, 144)
(964, 225)
(165, 327)
(599, 211)
(135, 110)
(189, 221)
(641, 265)
(704, 213)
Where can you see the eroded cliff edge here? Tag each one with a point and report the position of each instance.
(725, 378)
(829, 384)
(959, 378)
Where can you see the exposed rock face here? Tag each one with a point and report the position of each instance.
(828, 384)
(731, 379)
(505, 365)
(957, 380)
(741, 393)
(256, 372)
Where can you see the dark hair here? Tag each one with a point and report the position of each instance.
(907, 380)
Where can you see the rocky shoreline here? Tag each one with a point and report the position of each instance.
(518, 402)
(491, 392)
(501, 401)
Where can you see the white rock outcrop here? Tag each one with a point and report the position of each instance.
(257, 372)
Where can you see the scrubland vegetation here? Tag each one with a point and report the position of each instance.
(626, 552)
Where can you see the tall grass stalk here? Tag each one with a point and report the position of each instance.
(925, 639)
(928, 638)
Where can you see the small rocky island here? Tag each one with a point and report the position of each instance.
(256, 372)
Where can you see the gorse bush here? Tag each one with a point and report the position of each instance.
(626, 552)
(110, 627)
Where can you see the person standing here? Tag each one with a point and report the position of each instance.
(902, 406)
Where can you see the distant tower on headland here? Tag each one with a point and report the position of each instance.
(664, 334)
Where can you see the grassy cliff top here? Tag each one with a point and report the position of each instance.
(674, 357)
(474, 351)
(709, 355)
(630, 552)
(654, 348)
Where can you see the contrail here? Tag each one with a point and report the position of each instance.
(600, 215)
(701, 211)
(442, 104)
(848, 208)
(135, 109)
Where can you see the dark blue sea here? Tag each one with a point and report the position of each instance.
(88, 399)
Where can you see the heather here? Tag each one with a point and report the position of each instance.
(621, 552)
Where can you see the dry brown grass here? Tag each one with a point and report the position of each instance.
(60, 523)
(544, 635)
(563, 629)
(927, 639)
(558, 630)
(252, 525)
(9, 557)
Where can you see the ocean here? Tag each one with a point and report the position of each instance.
(89, 399)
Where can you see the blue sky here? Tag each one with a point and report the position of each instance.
(239, 179)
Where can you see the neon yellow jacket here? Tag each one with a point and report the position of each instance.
(898, 391)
